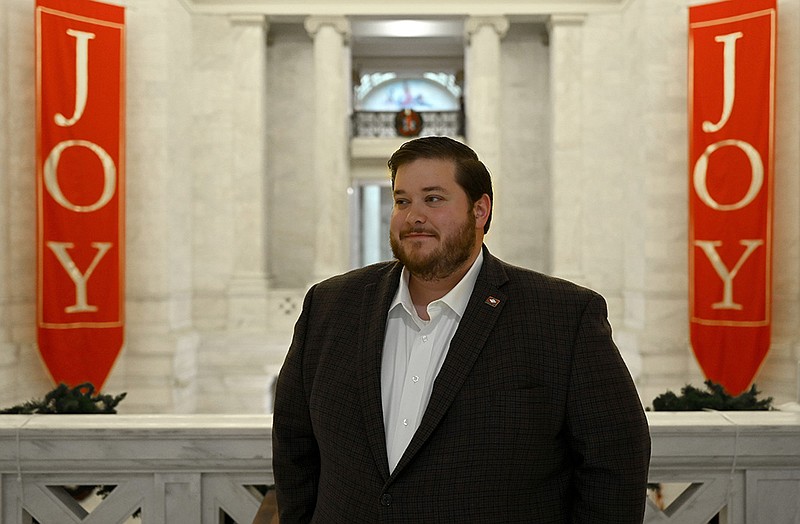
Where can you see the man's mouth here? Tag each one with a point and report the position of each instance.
(417, 234)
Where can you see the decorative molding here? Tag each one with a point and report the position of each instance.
(409, 7)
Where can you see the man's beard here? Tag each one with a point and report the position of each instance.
(448, 257)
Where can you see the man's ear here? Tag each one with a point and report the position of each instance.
(482, 207)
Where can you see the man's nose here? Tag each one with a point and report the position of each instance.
(416, 214)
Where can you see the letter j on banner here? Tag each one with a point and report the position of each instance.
(731, 148)
(80, 166)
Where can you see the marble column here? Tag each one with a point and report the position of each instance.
(247, 289)
(482, 105)
(17, 221)
(566, 66)
(330, 138)
(158, 366)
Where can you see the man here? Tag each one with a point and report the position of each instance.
(451, 387)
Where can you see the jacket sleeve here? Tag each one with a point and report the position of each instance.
(295, 454)
(608, 431)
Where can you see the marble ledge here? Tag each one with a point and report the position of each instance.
(730, 439)
(249, 424)
(186, 425)
(760, 439)
(82, 444)
(701, 421)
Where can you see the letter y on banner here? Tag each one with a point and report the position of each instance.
(731, 147)
(80, 167)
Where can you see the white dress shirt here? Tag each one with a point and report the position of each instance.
(413, 353)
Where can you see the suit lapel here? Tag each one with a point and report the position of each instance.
(483, 310)
(374, 308)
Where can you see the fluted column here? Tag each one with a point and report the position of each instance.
(330, 143)
(482, 104)
(566, 66)
(248, 285)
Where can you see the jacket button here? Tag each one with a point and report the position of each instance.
(386, 500)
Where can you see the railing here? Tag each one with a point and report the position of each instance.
(376, 124)
(188, 469)
(204, 469)
(744, 465)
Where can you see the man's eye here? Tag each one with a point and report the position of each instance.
(433, 198)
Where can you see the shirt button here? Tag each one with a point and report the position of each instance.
(424, 338)
(386, 500)
(405, 422)
(415, 379)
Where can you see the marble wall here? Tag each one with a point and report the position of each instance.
(20, 369)
(639, 149)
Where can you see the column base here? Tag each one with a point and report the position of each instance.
(247, 304)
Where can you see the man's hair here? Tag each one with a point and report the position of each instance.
(471, 174)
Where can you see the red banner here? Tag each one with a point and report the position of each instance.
(80, 167)
(731, 148)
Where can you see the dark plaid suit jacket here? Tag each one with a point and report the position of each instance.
(533, 417)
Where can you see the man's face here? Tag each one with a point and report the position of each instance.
(433, 230)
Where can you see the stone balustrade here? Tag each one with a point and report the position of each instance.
(176, 469)
(745, 465)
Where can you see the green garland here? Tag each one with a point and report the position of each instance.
(79, 400)
(64, 400)
(716, 398)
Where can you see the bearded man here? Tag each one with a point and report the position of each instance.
(450, 387)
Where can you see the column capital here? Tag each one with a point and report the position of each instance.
(472, 24)
(340, 24)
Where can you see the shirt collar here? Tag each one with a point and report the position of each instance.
(456, 299)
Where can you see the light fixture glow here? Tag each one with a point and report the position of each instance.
(410, 28)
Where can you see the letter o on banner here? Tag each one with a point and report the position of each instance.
(51, 175)
(756, 176)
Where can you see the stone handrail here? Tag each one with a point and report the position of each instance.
(744, 464)
(193, 469)
(177, 469)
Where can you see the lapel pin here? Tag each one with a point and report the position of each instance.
(492, 301)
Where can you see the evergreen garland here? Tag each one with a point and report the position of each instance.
(64, 400)
(79, 400)
(716, 398)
